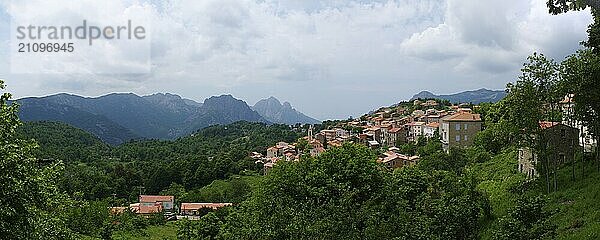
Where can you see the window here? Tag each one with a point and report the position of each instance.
(457, 126)
(520, 167)
(465, 126)
(458, 138)
(466, 138)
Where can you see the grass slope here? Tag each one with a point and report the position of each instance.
(577, 203)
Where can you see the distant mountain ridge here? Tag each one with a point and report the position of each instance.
(38, 109)
(474, 96)
(222, 109)
(118, 117)
(273, 110)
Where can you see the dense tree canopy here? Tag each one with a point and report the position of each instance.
(30, 201)
(345, 194)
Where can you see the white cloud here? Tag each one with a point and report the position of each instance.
(494, 37)
(330, 59)
(88, 56)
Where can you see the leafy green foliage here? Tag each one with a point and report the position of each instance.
(30, 200)
(527, 220)
(345, 194)
(455, 161)
(233, 190)
(61, 141)
(581, 75)
(98, 171)
(207, 228)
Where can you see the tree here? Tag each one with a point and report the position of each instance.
(526, 220)
(580, 74)
(344, 194)
(30, 201)
(302, 145)
(563, 6)
(533, 98)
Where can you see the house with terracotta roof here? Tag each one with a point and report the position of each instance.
(256, 156)
(429, 103)
(394, 136)
(198, 208)
(430, 129)
(561, 143)
(459, 129)
(149, 204)
(395, 160)
(373, 133)
(267, 167)
(316, 151)
(415, 130)
(272, 152)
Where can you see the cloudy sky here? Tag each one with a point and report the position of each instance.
(330, 59)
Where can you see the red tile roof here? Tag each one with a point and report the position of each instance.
(154, 198)
(463, 117)
(395, 130)
(568, 98)
(546, 125)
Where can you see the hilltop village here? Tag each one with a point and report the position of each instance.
(454, 125)
(386, 130)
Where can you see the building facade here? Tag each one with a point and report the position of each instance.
(459, 129)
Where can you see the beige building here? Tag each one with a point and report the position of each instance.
(394, 136)
(459, 129)
(199, 208)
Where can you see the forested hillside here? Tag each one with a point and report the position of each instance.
(98, 170)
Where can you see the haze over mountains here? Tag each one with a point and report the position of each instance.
(119, 117)
(475, 96)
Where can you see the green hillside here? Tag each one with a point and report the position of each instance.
(576, 203)
(60, 141)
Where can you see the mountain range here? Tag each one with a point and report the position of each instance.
(119, 117)
(275, 111)
(474, 96)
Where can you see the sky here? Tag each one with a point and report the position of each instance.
(329, 59)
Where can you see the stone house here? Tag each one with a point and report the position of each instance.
(561, 143)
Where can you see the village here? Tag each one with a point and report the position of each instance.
(385, 131)
(454, 125)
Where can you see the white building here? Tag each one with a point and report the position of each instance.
(586, 139)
